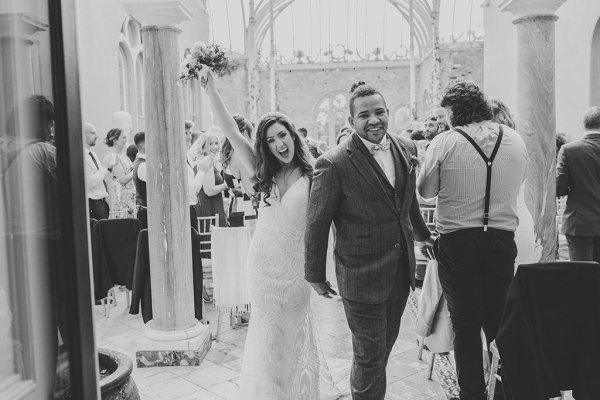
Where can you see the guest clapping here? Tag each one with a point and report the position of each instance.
(210, 198)
(121, 190)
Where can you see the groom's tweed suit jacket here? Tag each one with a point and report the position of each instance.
(374, 221)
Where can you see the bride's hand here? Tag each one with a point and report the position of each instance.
(208, 81)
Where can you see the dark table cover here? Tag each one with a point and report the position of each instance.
(118, 243)
(102, 279)
(142, 292)
(549, 336)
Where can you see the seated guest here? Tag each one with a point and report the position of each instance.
(476, 218)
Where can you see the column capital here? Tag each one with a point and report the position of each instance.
(21, 25)
(158, 12)
(530, 8)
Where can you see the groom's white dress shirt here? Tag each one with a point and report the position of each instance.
(384, 158)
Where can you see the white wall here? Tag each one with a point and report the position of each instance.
(99, 28)
(574, 31)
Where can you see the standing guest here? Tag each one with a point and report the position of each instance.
(121, 189)
(476, 218)
(131, 152)
(442, 119)
(577, 177)
(94, 175)
(366, 186)
(189, 125)
(210, 196)
(303, 132)
(139, 179)
(527, 250)
(432, 129)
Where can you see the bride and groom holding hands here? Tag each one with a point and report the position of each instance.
(366, 187)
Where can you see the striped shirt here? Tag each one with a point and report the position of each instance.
(455, 172)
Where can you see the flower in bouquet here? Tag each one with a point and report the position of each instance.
(202, 57)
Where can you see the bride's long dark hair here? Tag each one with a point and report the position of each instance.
(267, 165)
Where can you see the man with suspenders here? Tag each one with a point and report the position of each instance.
(475, 169)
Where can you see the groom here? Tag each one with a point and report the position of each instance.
(366, 186)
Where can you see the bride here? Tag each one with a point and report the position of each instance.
(281, 358)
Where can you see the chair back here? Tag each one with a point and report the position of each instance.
(205, 227)
(428, 213)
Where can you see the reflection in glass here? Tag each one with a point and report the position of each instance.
(32, 314)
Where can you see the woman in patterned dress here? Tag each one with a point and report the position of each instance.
(121, 190)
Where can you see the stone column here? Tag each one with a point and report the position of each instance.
(535, 112)
(174, 336)
(17, 31)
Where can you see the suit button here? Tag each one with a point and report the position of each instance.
(397, 245)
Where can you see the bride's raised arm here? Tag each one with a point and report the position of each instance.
(239, 143)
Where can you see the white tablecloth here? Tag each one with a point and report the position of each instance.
(229, 253)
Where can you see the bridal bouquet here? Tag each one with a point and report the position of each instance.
(202, 57)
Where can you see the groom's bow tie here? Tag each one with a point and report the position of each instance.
(383, 146)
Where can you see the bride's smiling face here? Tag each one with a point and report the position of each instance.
(280, 142)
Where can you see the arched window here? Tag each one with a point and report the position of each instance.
(131, 72)
(595, 70)
(330, 116)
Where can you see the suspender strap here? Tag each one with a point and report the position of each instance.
(488, 162)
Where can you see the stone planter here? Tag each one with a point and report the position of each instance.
(116, 382)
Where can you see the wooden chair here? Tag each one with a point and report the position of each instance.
(205, 227)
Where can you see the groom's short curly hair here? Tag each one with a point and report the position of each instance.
(361, 89)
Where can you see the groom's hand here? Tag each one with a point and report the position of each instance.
(324, 289)
(426, 248)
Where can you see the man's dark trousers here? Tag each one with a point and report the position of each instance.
(584, 248)
(374, 330)
(98, 209)
(475, 269)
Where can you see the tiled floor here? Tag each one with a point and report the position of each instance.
(218, 376)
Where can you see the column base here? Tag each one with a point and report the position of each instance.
(188, 348)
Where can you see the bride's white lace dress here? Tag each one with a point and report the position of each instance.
(281, 358)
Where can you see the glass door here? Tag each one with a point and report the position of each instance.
(46, 325)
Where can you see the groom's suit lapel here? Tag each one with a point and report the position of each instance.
(369, 169)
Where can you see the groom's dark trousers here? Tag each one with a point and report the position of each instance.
(374, 248)
(374, 330)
